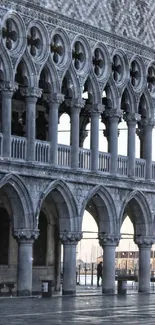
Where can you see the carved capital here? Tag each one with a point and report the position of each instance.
(75, 104)
(97, 109)
(113, 113)
(144, 240)
(31, 92)
(108, 239)
(22, 235)
(70, 238)
(148, 122)
(57, 98)
(132, 118)
(8, 89)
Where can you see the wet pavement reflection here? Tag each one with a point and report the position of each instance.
(93, 310)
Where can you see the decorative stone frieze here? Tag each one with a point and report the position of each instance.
(70, 238)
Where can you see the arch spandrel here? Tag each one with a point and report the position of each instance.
(20, 201)
(65, 205)
(100, 204)
(137, 208)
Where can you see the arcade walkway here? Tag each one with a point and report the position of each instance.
(132, 309)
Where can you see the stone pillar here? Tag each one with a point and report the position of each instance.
(95, 116)
(144, 245)
(76, 106)
(148, 125)
(69, 241)
(109, 243)
(131, 119)
(7, 93)
(54, 101)
(32, 95)
(25, 239)
(112, 118)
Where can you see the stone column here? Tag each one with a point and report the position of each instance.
(25, 239)
(144, 245)
(109, 243)
(95, 116)
(54, 101)
(148, 125)
(7, 93)
(75, 106)
(32, 95)
(131, 119)
(112, 116)
(69, 241)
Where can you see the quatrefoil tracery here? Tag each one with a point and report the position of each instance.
(33, 41)
(98, 62)
(78, 55)
(151, 79)
(117, 69)
(57, 49)
(135, 74)
(9, 34)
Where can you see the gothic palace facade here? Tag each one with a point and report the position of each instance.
(49, 61)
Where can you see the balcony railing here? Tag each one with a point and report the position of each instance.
(104, 162)
(42, 150)
(140, 167)
(42, 155)
(18, 147)
(122, 165)
(85, 159)
(64, 155)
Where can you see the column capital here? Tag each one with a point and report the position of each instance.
(144, 241)
(113, 113)
(70, 238)
(75, 104)
(57, 98)
(97, 109)
(131, 118)
(32, 92)
(8, 89)
(149, 121)
(25, 235)
(109, 239)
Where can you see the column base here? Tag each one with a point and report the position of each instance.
(24, 293)
(68, 292)
(108, 291)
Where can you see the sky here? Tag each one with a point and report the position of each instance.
(88, 249)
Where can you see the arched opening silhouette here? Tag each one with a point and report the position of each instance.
(4, 236)
(40, 245)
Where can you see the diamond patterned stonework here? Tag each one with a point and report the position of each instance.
(132, 19)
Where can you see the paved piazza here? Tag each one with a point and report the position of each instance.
(132, 309)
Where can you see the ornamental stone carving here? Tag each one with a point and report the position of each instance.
(131, 118)
(144, 240)
(31, 92)
(70, 238)
(25, 234)
(54, 98)
(108, 239)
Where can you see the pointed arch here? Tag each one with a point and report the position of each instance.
(5, 62)
(105, 207)
(95, 88)
(146, 98)
(20, 201)
(74, 83)
(65, 204)
(112, 93)
(131, 99)
(136, 203)
(29, 72)
(52, 76)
